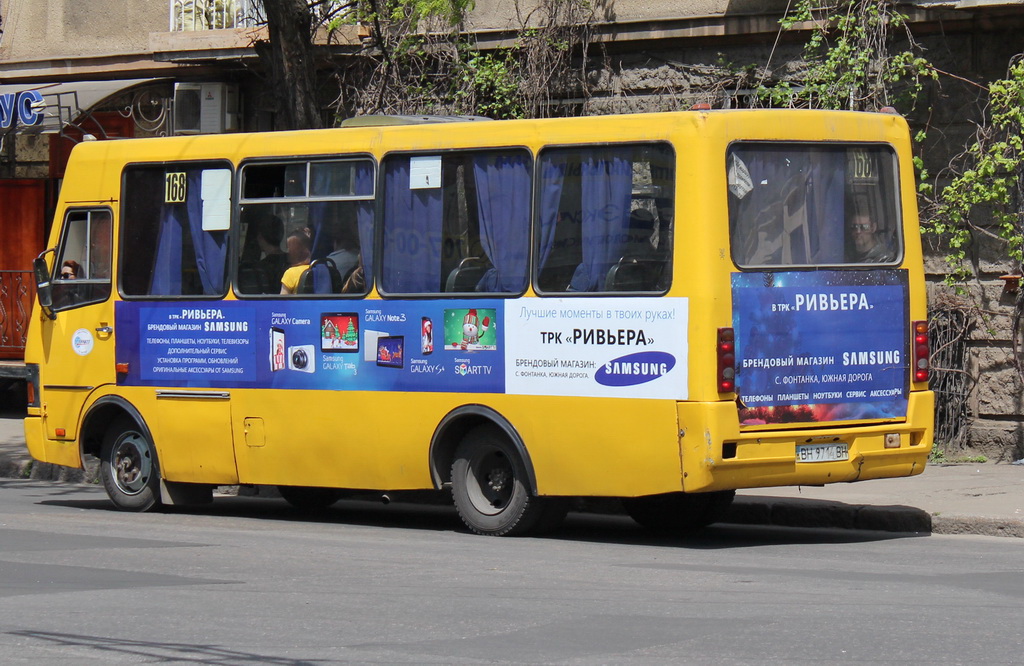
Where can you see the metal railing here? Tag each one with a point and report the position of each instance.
(191, 15)
(17, 290)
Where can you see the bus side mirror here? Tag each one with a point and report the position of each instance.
(44, 290)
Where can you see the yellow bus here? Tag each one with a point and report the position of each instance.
(662, 308)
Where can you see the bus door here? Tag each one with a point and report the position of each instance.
(173, 279)
(78, 344)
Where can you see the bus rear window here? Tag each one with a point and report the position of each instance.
(806, 205)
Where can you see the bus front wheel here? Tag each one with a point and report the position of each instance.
(128, 467)
(490, 490)
(678, 511)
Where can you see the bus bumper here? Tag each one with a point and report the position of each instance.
(47, 450)
(718, 456)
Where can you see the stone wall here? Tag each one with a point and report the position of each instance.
(996, 400)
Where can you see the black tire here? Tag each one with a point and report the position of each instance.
(309, 498)
(129, 468)
(678, 512)
(489, 487)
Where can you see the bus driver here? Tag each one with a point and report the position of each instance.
(869, 247)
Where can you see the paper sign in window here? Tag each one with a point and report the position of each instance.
(424, 173)
(216, 188)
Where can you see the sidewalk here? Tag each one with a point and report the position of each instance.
(964, 498)
(984, 498)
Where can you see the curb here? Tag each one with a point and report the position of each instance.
(828, 514)
(14, 469)
(838, 515)
(37, 471)
(980, 526)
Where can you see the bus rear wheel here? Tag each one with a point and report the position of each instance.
(309, 498)
(490, 490)
(128, 467)
(678, 512)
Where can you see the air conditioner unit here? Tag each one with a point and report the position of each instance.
(205, 108)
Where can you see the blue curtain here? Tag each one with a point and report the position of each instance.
(606, 186)
(826, 206)
(166, 279)
(210, 247)
(364, 217)
(323, 244)
(318, 212)
(412, 233)
(758, 221)
(503, 206)
(552, 180)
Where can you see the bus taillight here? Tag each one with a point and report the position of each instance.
(921, 351)
(726, 360)
(32, 384)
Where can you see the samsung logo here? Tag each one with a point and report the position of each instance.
(634, 369)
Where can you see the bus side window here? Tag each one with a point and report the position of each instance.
(457, 223)
(328, 205)
(174, 239)
(605, 219)
(82, 270)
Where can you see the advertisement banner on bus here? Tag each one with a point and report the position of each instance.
(821, 345)
(622, 347)
(522, 346)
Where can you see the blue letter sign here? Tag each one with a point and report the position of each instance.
(28, 106)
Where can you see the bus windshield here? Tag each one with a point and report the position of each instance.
(793, 205)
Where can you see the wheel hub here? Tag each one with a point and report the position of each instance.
(131, 464)
(489, 481)
(497, 479)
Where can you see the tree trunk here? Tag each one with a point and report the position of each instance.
(291, 64)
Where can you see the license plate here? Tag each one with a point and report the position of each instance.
(811, 453)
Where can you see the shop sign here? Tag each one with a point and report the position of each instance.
(26, 106)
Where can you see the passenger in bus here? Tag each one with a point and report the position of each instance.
(70, 270)
(262, 261)
(344, 239)
(300, 246)
(868, 245)
(641, 236)
(273, 262)
(355, 283)
(346, 247)
(640, 265)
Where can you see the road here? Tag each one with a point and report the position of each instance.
(250, 581)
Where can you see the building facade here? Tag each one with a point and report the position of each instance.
(106, 69)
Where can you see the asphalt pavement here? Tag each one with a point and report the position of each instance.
(964, 498)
